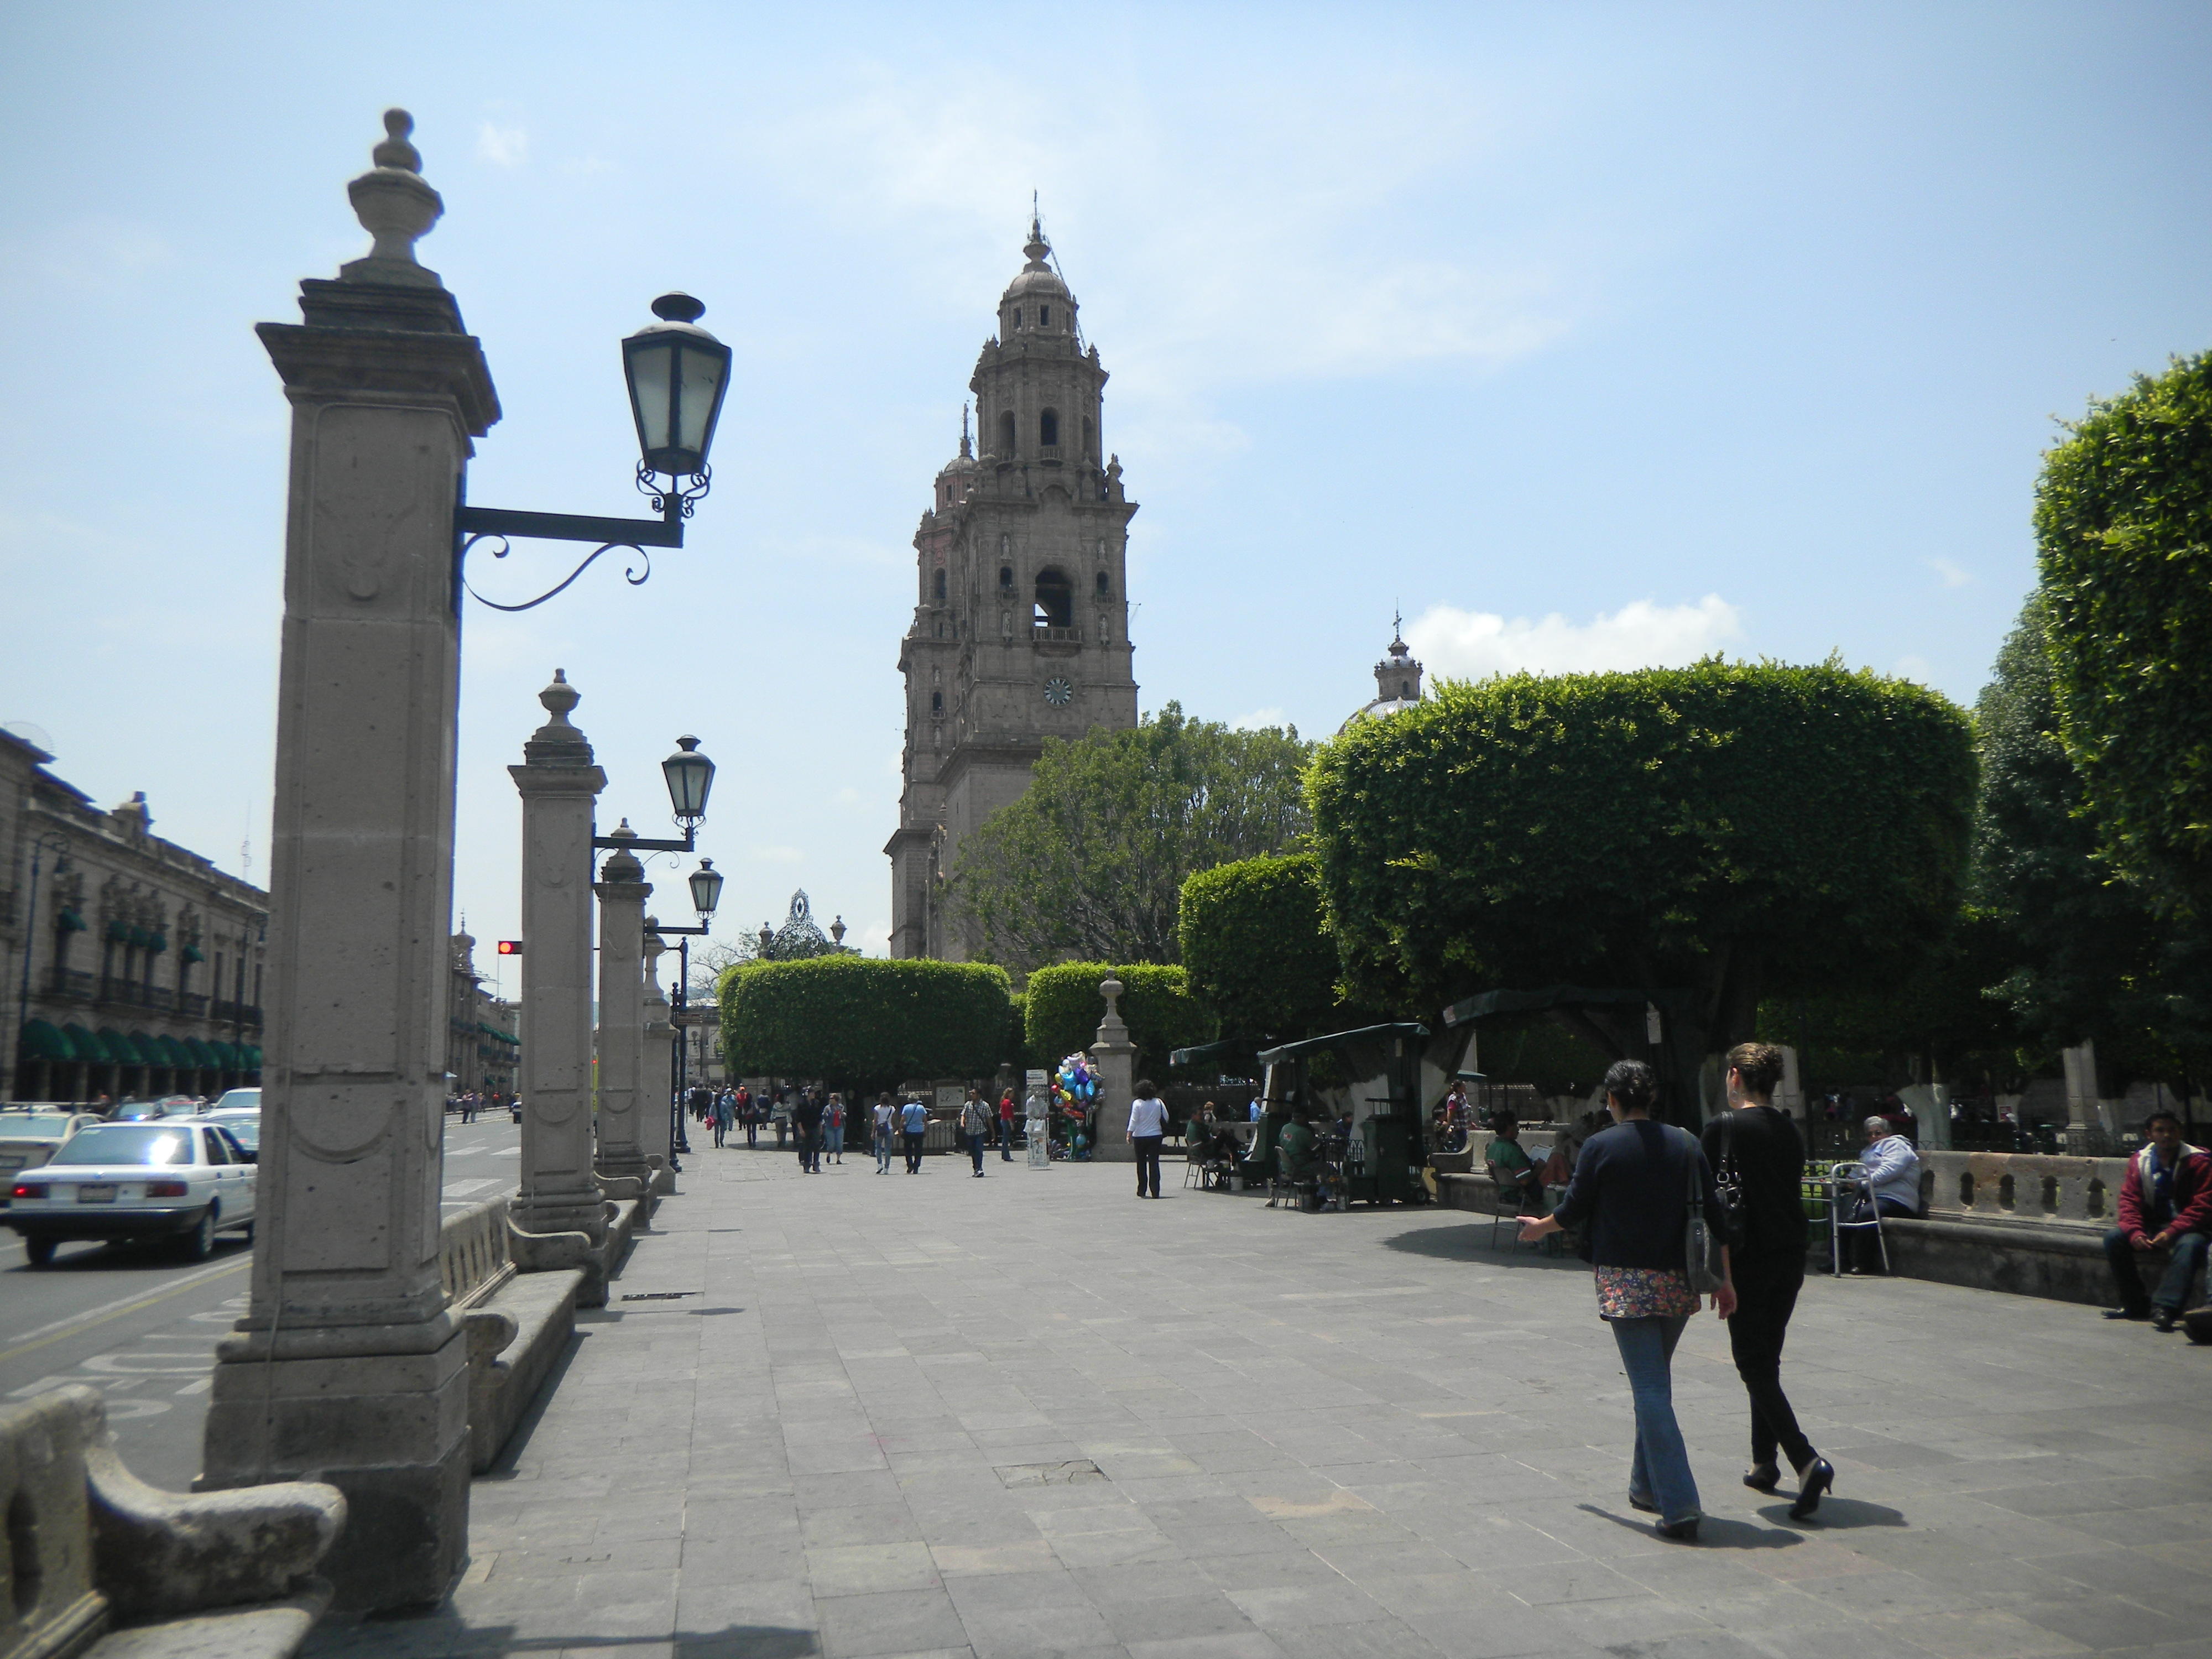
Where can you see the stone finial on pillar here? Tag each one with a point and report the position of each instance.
(1116, 1058)
(559, 784)
(623, 891)
(396, 207)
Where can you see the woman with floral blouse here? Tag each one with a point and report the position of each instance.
(1630, 1197)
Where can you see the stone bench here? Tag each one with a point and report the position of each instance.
(519, 1320)
(102, 1566)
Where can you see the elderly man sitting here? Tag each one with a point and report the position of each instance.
(1890, 1186)
(2165, 1204)
(1519, 1178)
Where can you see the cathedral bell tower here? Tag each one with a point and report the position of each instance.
(1020, 628)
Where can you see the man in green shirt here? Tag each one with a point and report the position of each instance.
(1515, 1173)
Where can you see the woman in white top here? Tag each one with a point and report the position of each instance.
(1148, 1126)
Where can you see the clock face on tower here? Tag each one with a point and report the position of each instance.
(1057, 691)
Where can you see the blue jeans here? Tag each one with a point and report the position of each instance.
(1660, 1474)
(2184, 1261)
(974, 1139)
(834, 1138)
(886, 1144)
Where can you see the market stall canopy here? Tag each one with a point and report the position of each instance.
(1488, 1005)
(1359, 1034)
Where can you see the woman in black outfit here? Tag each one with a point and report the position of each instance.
(1631, 1194)
(1767, 1265)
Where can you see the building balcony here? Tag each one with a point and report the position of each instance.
(1045, 633)
(71, 986)
(193, 1004)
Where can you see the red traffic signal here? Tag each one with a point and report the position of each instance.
(510, 947)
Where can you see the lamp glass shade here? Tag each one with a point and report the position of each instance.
(706, 888)
(690, 776)
(677, 373)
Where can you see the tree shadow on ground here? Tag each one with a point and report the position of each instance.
(1472, 1243)
(1713, 1531)
(445, 1634)
(1838, 1513)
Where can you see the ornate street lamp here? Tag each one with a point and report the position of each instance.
(691, 774)
(706, 889)
(706, 883)
(677, 375)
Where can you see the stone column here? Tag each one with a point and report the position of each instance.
(654, 1129)
(558, 784)
(1116, 1058)
(2081, 1108)
(346, 1366)
(623, 892)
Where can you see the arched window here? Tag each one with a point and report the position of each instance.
(1007, 434)
(1048, 428)
(1055, 599)
(936, 586)
(1102, 589)
(1044, 316)
(1006, 575)
(1017, 316)
(1089, 439)
(937, 704)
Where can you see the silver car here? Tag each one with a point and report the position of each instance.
(28, 1137)
(168, 1179)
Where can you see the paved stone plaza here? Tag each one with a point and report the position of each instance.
(1363, 1434)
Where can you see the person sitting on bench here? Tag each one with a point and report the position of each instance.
(1891, 1187)
(1294, 1149)
(2165, 1204)
(1519, 1180)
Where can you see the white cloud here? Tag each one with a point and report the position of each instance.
(874, 939)
(1475, 644)
(774, 854)
(503, 146)
(1258, 719)
(1914, 668)
(1952, 575)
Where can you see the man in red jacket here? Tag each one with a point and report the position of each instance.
(2165, 1204)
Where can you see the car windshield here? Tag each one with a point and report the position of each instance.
(238, 1099)
(126, 1143)
(245, 1131)
(32, 1125)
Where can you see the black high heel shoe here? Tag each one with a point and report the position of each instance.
(1816, 1478)
(1762, 1477)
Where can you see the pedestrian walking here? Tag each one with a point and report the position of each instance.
(914, 1124)
(806, 1130)
(1630, 1195)
(1007, 1128)
(1148, 1127)
(724, 1112)
(833, 1128)
(976, 1126)
(886, 1128)
(781, 1113)
(1759, 1152)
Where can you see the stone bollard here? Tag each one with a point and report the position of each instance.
(1116, 1060)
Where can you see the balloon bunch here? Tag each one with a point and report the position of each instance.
(1075, 1083)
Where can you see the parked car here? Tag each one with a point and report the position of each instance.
(28, 1136)
(141, 1111)
(235, 1100)
(140, 1180)
(244, 1123)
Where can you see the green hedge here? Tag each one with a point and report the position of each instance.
(1257, 947)
(1064, 1009)
(864, 1023)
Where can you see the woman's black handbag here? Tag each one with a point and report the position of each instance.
(1729, 1223)
(1701, 1245)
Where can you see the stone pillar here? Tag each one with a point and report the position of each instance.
(346, 1366)
(623, 892)
(2081, 1103)
(558, 784)
(655, 1128)
(1116, 1060)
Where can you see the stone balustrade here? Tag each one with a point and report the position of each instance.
(2024, 1187)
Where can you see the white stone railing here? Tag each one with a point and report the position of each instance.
(2021, 1187)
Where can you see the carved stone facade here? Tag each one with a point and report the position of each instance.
(1020, 627)
(482, 1050)
(143, 974)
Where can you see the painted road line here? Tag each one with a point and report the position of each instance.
(38, 1338)
(463, 1189)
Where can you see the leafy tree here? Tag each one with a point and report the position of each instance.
(1257, 946)
(1064, 1009)
(1090, 861)
(1727, 831)
(2124, 523)
(863, 1023)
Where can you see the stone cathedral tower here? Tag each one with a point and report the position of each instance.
(1020, 627)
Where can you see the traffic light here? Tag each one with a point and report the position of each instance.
(510, 947)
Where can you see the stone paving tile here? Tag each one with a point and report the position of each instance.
(1332, 1435)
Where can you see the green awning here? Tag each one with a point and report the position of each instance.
(119, 931)
(173, 1053)
(249, 1058)
(70, 921)
(139, 937)
(143, 1047)
(203, 1057)
(86, 1045)
(42, 1040)
(191, 953)
(1362, 1034)
(157, 941)
(115, 1048)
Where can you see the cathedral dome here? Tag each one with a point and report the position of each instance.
(1037, 303)
(1397, 682)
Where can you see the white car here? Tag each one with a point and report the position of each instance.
(234, 1100)
(244, 1123)
(167, 1179)
(27, 1138)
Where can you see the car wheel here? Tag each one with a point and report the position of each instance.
(41, 1250)
(199, 1244)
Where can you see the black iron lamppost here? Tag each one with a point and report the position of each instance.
(48, 841)
(706, 893)
(677, 373)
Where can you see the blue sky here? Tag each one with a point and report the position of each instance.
(1588, 335)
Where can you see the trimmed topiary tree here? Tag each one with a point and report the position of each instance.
(2124, 526)
(1256, 945)
(1064, 1009)
(1726, 831)
(864, 1023)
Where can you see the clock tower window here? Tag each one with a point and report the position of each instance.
(1055, 599)
(1006, 434)
(936, 586)
(1048, 428)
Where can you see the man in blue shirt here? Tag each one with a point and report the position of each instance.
(913, 1123)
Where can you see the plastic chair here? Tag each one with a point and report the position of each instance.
(1842, 1178)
